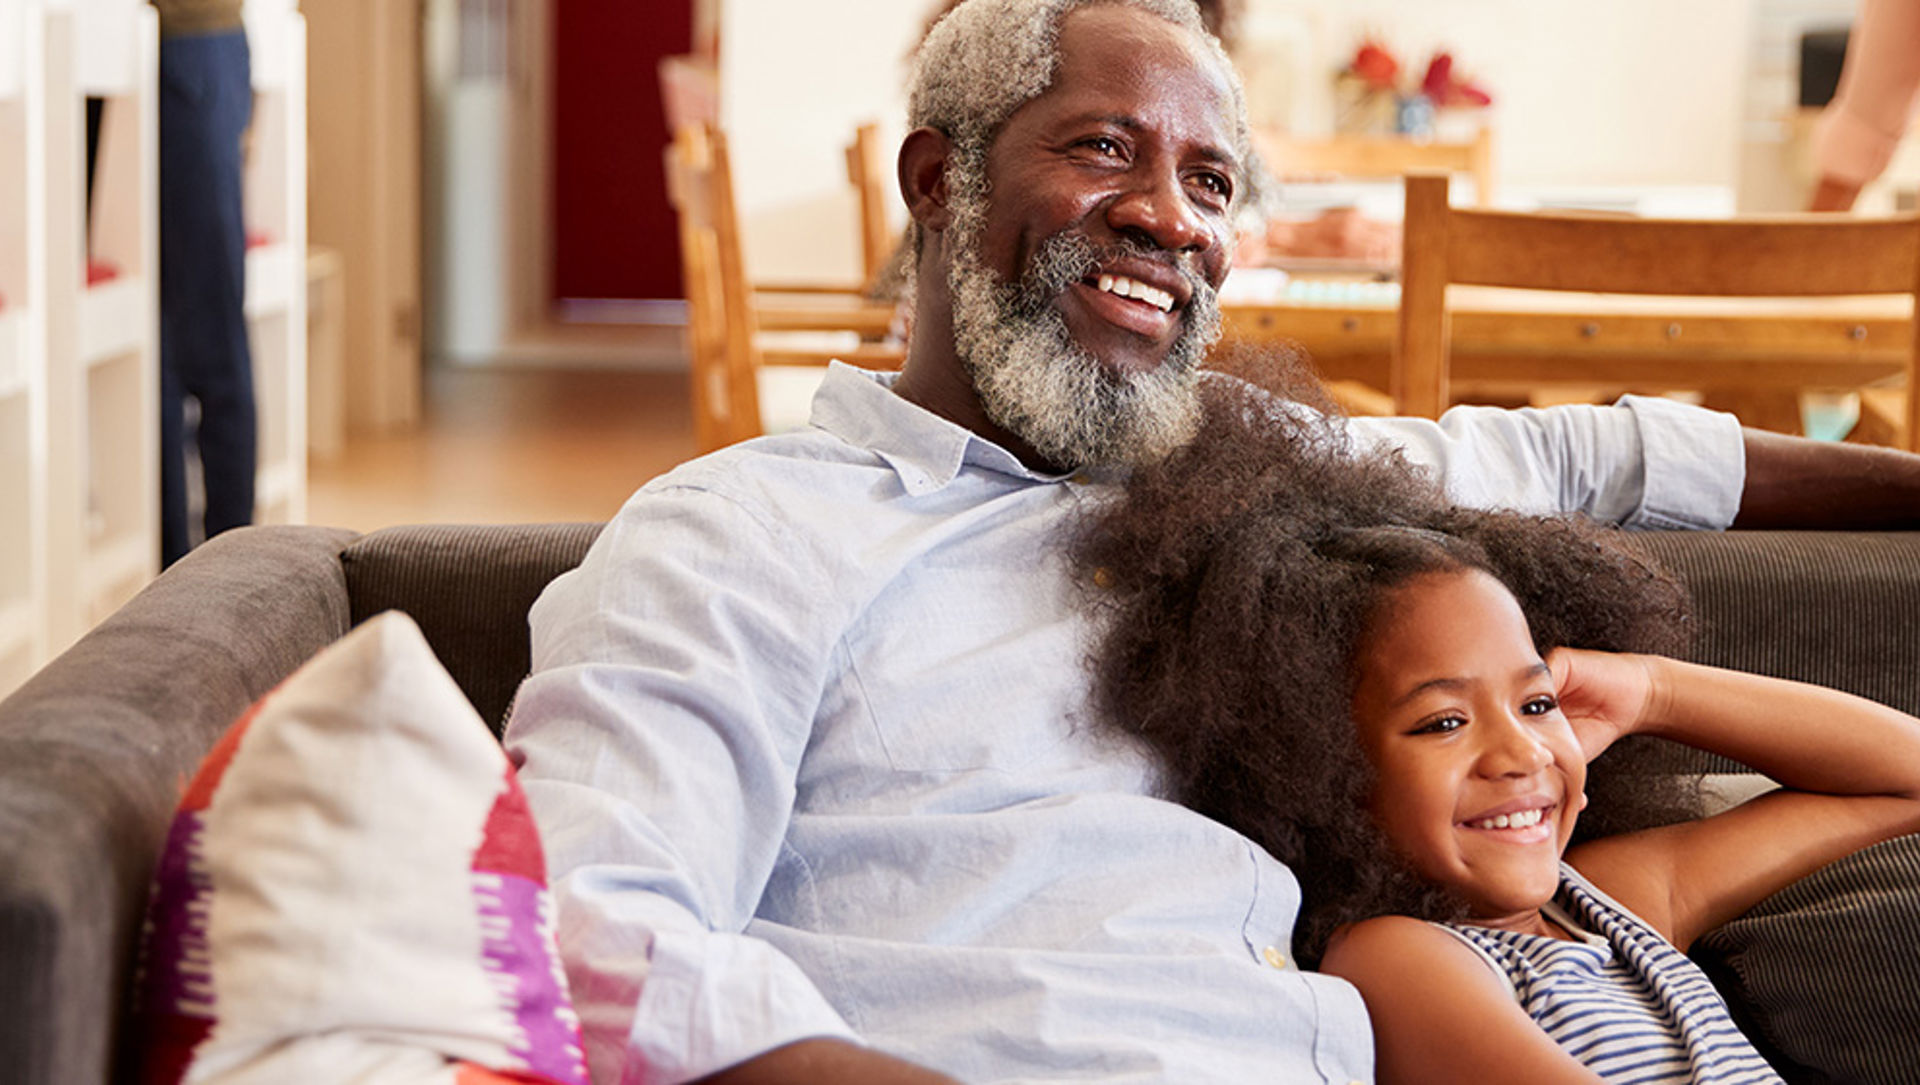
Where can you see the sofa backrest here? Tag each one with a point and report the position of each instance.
(1839, 609)
(469, 589)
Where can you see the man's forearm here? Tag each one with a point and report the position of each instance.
(829, 1062)
(1793, 482)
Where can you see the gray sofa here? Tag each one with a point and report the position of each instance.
(94, 748)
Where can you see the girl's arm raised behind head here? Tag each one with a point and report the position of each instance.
(1440, 1013)
(1850, 769)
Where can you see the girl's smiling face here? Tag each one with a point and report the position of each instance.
(1479, 775)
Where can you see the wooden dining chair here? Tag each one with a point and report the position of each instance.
(870, 172)
(1379, 157)
(745, 380)
(1774, 343)
(690, 95)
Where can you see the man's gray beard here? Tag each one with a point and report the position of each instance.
(1036, 382)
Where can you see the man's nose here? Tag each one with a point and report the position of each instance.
(1158, 209)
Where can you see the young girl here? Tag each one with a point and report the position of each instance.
(1386, 693)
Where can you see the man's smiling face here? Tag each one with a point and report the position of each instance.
(1132, 143)
(1087, 248)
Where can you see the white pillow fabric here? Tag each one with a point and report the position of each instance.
(353, 890)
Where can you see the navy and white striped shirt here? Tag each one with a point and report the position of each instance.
(1623, 1001)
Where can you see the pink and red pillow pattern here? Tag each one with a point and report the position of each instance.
(353, 890)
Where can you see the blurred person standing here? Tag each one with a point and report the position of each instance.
(1879, 83)
(206, 103)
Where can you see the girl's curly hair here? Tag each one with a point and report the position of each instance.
(1235, 579)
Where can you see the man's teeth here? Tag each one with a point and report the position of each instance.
(1139, 291)
(1521, 820)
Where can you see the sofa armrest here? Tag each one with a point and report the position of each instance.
(93, 752)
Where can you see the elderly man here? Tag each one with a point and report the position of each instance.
(807, 734)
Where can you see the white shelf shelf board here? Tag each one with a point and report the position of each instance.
(109, 65)
(267, 44)
(115, 318)
(13, 356)
(270, 280)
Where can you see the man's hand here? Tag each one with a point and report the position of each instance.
(828, 1062)
(1604, 695)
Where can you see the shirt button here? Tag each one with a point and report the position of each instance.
(1274, 957)
(1103, 577)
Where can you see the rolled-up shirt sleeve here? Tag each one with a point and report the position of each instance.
(674, 679)
(1644, 463)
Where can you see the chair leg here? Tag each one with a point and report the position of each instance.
(1883, 418)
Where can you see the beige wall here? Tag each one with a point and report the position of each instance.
(796, 80)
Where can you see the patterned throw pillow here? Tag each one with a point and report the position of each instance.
(353, 890)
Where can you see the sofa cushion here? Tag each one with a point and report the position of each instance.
(1824, 971)
(353, 889)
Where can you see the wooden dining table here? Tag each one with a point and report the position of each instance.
(1752, 355)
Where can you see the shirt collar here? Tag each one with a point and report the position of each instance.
(925, 450)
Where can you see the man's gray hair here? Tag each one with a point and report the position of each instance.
(987, 58)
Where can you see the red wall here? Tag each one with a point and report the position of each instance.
(613, 231)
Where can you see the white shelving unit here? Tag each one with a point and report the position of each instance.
(79, 304)
(103, 531)
(276, 209)
(22, 393)
(84, 411)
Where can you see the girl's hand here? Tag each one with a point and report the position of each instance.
(1604, 695)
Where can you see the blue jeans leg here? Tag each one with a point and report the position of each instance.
(206, 102)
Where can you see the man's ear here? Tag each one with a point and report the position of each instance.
(923, 177)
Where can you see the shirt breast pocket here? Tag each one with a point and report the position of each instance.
(975, 682)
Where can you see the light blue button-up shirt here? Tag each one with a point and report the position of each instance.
(807, 741)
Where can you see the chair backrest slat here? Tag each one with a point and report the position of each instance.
(1753, 256)
(1774, 257)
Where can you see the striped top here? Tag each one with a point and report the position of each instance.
(1624, 1001)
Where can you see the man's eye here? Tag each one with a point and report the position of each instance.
(1216, 184)
(1106, 145)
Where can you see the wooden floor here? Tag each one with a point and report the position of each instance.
(510, 446)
